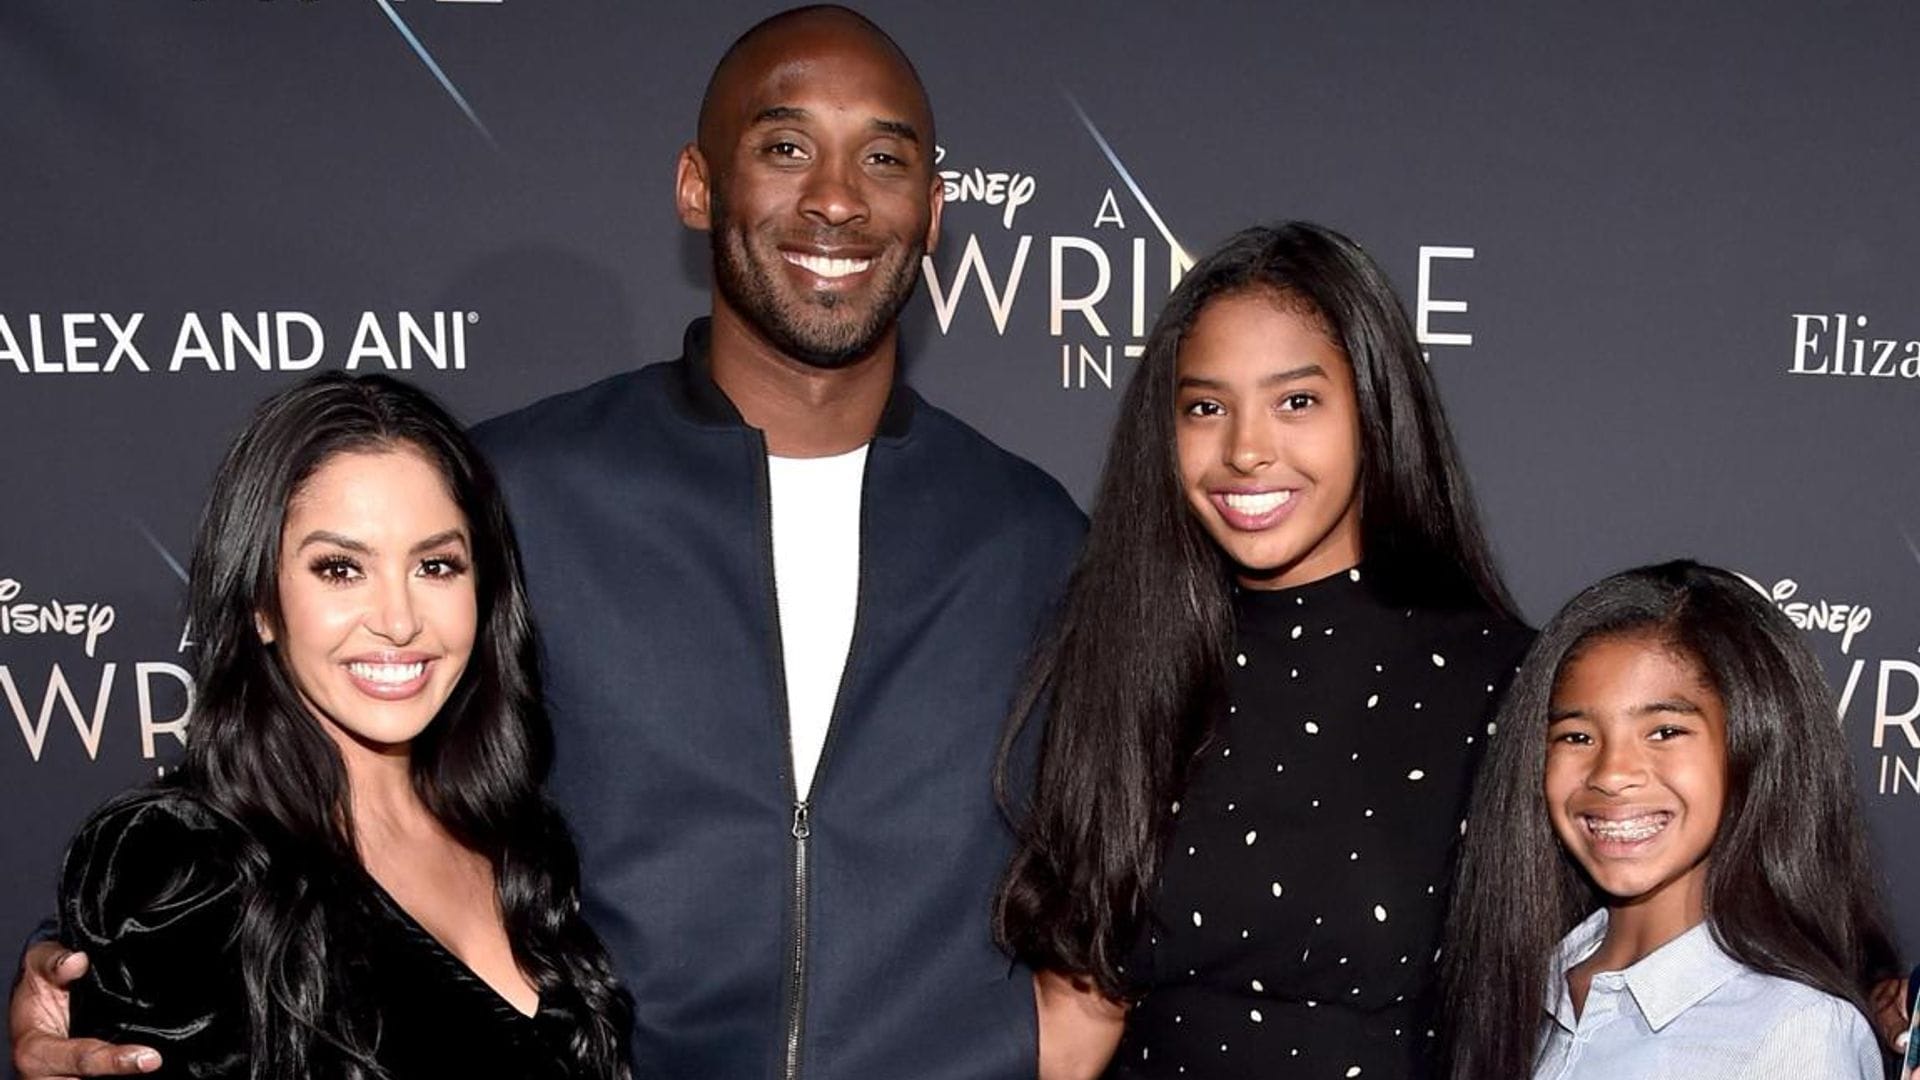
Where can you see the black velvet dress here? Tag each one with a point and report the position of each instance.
(1305, 880)
(152, 891)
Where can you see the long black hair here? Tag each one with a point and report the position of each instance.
(1790, 884)
(257, 756)
(1128, 671)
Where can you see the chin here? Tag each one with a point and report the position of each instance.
(388, 736)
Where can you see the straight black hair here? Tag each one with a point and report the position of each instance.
(1790, 883)
(257, 756)
(1127, 674)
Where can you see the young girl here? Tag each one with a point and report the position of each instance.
(1665, 873)
(1267, 690)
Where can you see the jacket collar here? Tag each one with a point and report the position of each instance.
(703, 401)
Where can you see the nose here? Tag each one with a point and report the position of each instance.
(393, 615)
(1250, 445)
(834, 194)
(1619, 767)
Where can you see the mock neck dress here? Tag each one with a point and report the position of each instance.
(1305, 879)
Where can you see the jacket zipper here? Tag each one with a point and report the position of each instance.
(797, 952)
(796, 1010)
(802, 829)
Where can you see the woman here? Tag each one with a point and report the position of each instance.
(1266, 691)
(353, 873)
(1667, 872)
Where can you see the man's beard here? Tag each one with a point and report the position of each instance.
(805, 326)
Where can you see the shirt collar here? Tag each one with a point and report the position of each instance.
(1665, 983)
(1579, 944)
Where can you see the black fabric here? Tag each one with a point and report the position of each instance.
(153, 891)
(1307, 869)
(641, 507)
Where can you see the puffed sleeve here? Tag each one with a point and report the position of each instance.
(1825, 1038)
(151, 891)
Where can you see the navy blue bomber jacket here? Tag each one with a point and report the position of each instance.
(763, 938)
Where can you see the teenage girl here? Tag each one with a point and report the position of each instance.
(1266, 692)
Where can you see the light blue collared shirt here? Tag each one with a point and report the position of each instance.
(1688, 1011)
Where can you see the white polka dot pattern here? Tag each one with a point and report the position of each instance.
(1316, 824)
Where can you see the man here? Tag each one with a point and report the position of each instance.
(784, 605)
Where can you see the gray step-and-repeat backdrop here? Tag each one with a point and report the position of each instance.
(1664, 257)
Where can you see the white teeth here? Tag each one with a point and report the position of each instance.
(825, 267)
(388, 673)
(1254, 504)
(1628, 830)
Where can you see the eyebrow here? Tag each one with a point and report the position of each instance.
(899, 129)
(327, 536)
(441, 539)
(773, 114)
(1302, 372)
(1680, 706)
(776, 113)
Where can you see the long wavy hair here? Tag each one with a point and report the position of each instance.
(1790, 885)
(1127, 675)
(257, 756)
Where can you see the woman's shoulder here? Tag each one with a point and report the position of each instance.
(159, 814)
(152, 891)
(146, 858)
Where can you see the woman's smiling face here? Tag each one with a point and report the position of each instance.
(377, 604)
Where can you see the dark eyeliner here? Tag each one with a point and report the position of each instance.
(325, 566)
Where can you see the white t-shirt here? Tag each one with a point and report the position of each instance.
(816, 578)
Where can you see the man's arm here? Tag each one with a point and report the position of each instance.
(37, 1021)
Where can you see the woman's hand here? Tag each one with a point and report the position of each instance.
(1079, 1026)
(38, 1017)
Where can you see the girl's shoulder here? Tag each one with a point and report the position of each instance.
(1814, 1032)
(1793, 1029)
(1489, 640)
(1789, 1002)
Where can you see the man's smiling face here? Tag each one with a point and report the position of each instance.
(821, 194)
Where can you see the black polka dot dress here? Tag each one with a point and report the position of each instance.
(1305, 879)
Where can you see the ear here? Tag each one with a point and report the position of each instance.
(937, 199)
(693, 189)
(263, 628)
